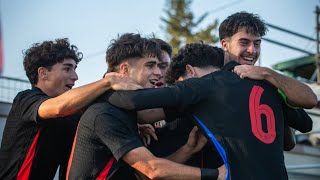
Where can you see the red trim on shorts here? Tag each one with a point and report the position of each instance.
(105, 171)
(25, 169)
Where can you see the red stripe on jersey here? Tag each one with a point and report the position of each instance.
(72, 151)
(25, 169)
(105, 171)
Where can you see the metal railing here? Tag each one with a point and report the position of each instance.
(9, 88)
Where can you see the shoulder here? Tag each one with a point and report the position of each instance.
(31, 94)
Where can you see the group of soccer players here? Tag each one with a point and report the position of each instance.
(225, 117)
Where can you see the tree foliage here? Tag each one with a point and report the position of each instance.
(182, 28)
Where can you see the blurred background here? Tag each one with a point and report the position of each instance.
(291, 45)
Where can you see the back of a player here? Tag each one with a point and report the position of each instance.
(245, 117)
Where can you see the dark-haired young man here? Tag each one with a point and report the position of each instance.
(107, 140)
(240, 35)
(40, 127)
(172, 135)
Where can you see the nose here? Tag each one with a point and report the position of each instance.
(157, 72)
(74, 76)
(252, 49)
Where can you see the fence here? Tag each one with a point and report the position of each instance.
(9, 87)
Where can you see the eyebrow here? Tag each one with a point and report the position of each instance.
(69, 65)
(151, 62)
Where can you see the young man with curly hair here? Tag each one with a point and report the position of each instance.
(40, 127)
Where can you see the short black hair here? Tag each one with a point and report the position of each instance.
(164, 45)
(129, 46)
(197, 55)
(251, 22)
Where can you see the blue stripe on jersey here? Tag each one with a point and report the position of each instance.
(220, 149)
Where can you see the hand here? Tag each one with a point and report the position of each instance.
(222, 173)
(196, 140)
(121, 82)
(250, 71)
(147, 131)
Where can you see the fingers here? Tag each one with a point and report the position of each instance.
(150, 127)
(126, 86)
(193, 131)
(144, 141)
(151, 131)
(202, 137)
(148, 139)
(147, 132)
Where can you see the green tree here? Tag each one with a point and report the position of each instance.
(181, 28)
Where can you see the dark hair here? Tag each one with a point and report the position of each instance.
(130, 46)
(196, 54)
(164, 45)
(47, 54)
(252, 22)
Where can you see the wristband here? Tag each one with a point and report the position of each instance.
(209, 174)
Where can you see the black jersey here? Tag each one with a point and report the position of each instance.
(243, 118)
(32, 148)
(174, 135)
(105, 133)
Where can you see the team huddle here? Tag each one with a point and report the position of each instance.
(224, 117)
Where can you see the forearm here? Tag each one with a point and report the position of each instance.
(181, 155)
(73, 100)
(157, 168)
(165, 169)
(150, 116)
(181, 96)
(298, 94)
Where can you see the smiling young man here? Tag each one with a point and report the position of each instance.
(241, 37)
(40, 127)
(107, 142)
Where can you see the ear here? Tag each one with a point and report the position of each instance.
(190, 71)
(123, 68)
(224, 44)
(42, 73)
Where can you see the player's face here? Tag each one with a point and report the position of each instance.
(61, 77)
(145, 71)
(163, 66)
(242, 47)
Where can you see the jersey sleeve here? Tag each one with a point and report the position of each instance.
(298, 119)
(29, 102)
(180, 96)
(118, 133)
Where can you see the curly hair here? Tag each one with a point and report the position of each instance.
(252, 22)
(130, 46)
(47, 54)
(195, 54)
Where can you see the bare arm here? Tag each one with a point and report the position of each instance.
(150, 116)
(75, 99)
(156, 168)
(195, 143)
(298, 94)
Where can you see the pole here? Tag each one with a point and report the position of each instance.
(317, 45)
